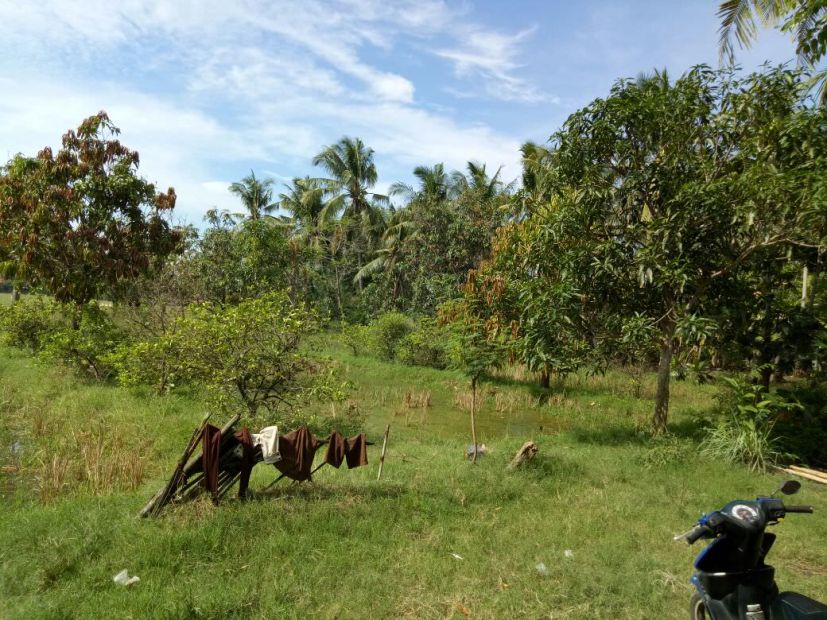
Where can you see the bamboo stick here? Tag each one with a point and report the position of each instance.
(224, 431)
(804, 471)
(382, 456)
(274, 482)
(808, 476)
(163, 495)
(229, 485)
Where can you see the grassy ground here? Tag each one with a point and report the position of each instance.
(349, 546)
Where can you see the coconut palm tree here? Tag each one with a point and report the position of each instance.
(477, 181)
(350, 164)
(398, 229)
(256, 195)
(806, 19)
(309, 202)
(434, 185)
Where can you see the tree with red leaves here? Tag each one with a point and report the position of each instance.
(81, 222)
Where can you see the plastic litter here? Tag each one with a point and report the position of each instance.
(457, 556)
(541, 569)
(568, 553)
(123, 578)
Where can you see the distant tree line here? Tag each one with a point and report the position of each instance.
(677, 224)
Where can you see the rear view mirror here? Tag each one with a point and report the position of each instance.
(790, 487)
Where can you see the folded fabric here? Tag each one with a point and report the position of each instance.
(268, 439)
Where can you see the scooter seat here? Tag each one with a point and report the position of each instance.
(797, 605)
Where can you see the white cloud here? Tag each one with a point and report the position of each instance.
(206, 89)
(492, 57)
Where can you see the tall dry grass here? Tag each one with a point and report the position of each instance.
(96, 460)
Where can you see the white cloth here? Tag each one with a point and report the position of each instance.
(268, 439)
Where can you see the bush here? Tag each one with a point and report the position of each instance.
(745, 432)
(665, 449)
(149, 362)
(357, 338)
(248, 356)
(29, 323)
(388, 331)
(89, 347)
(428, 345)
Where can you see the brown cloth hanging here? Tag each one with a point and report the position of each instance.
(297, 450)
(247, 459)
(336, 448)
(210, 455)
(356, 451)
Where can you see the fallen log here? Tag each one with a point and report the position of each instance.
(524, 454)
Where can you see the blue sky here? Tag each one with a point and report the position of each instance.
(206, 90)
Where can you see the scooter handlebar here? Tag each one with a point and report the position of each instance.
(807, 509)
(693, 535)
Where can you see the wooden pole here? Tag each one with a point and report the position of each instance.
(382, 456)
(473, 417)
(226, 487)
(162, 497)
(224, 431)
(809, 474)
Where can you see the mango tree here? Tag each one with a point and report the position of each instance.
(80, 221)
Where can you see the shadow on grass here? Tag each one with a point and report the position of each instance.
(309, 491)
(574, 386)
(545, 467)
(627, 435)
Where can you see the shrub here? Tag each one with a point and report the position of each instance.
(357, 338)
(427, 345)
(28, 323)
(388, 331)
(249, 354)
(154, 362)
(745, 431)
(665, 449)
(89, 346)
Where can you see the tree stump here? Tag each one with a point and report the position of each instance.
(526, 453)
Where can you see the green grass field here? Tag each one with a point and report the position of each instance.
(347, 546)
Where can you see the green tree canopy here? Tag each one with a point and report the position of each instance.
(660, 194)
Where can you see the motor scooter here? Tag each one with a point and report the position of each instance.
(733, 580)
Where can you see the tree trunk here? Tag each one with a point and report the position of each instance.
(338, 292)
(766, 376)
(667, 346)
(545, 379)
(473, 417)
(15, 294)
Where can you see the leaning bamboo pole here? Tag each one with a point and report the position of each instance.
(382, 456)
(163, 495)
